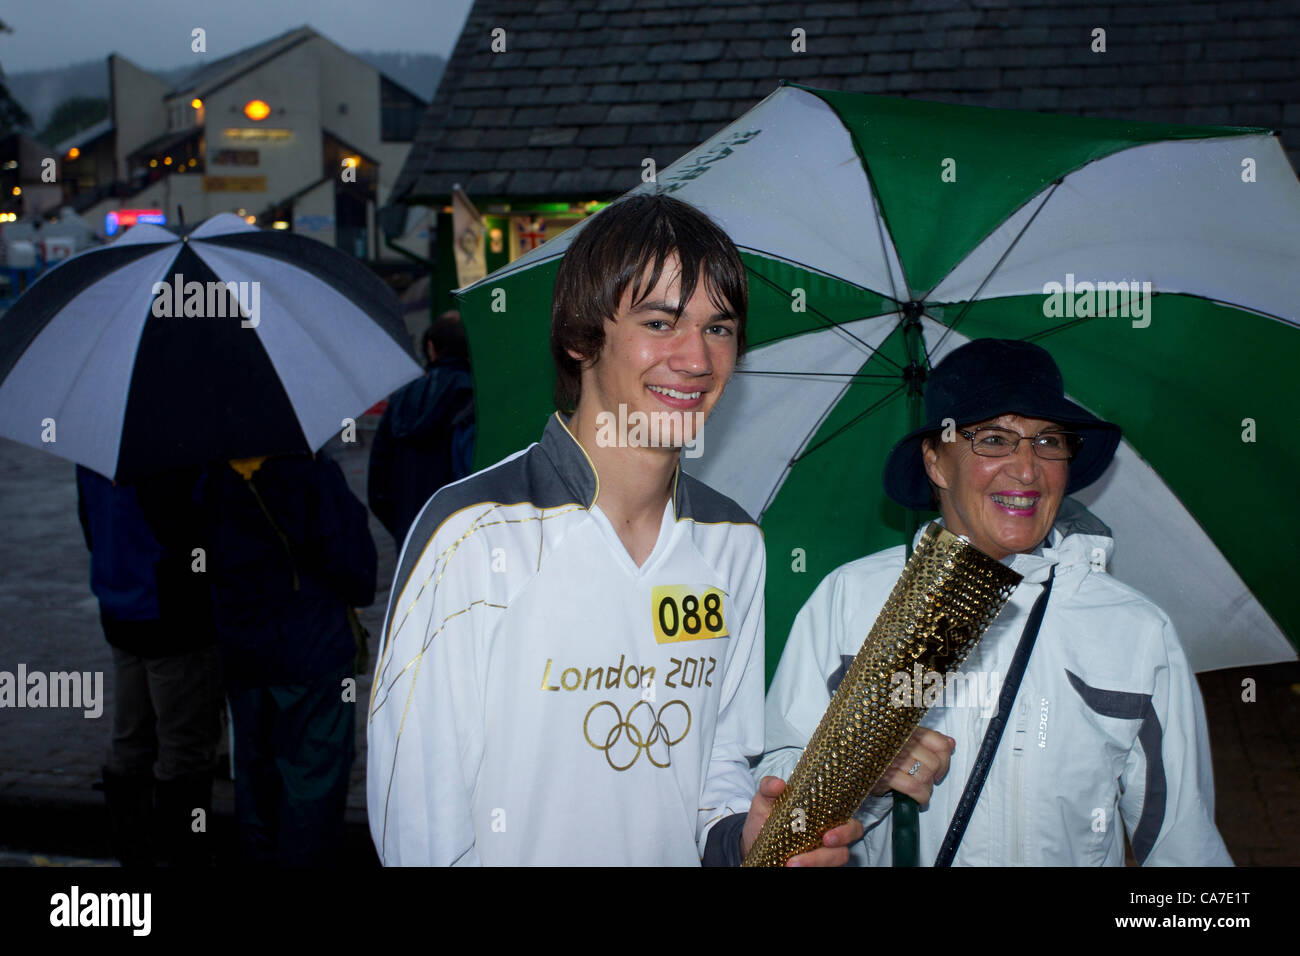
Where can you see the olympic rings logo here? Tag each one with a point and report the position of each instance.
(640, 741)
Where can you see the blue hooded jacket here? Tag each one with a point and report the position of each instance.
(141, 536)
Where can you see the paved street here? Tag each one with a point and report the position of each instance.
(50, 758)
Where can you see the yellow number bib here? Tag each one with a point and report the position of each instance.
(680, 613)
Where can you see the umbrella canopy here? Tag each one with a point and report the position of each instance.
(164, 350)
(880, 234)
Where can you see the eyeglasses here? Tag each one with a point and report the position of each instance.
(994, 442)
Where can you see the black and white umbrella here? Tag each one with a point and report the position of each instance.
(165, 350)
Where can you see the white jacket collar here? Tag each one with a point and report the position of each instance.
(1078, 538)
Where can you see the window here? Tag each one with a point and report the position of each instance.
(399, 112)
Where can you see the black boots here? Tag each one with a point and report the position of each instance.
(130, 817)
(177, 830)
(184, 819)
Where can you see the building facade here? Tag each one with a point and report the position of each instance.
(293, 133)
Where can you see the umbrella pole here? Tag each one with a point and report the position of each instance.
(914, 377)
(906, 833)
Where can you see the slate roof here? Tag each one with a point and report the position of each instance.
(212, 76)
(588, 88)
(85, 136)
(207, 79)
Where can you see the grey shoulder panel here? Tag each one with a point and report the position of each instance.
(698, 502)
(525, 478)
(1125, 705)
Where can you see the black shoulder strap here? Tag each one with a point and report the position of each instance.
(993, 736)
(275, 525)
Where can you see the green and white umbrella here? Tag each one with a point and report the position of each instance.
(881, 233)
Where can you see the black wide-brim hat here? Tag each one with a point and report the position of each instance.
(986, 378)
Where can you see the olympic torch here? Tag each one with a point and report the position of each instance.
(947, 596)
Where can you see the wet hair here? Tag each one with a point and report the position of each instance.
(627, 244)
(447, 335)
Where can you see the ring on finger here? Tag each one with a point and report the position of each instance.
(915, 767)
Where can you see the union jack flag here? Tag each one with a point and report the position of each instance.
(532, 233)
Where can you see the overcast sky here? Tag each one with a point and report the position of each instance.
(156, 33)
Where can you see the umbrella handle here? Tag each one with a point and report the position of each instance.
(906, 832)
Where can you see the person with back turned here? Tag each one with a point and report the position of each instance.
(416, 448)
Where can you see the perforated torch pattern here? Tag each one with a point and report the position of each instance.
(947, 596)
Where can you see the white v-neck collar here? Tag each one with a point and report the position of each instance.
(666, 525)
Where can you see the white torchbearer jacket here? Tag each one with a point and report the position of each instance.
(1108, 726)
(540, 699)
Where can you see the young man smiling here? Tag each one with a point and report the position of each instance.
(572, 665)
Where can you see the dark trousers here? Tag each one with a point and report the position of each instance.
(293, 747)
(166, 714)
(158, 777)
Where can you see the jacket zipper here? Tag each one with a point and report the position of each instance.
(1017, 788)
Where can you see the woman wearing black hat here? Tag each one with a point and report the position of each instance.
(1077, 711)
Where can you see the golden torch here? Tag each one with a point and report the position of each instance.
(948, 594)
